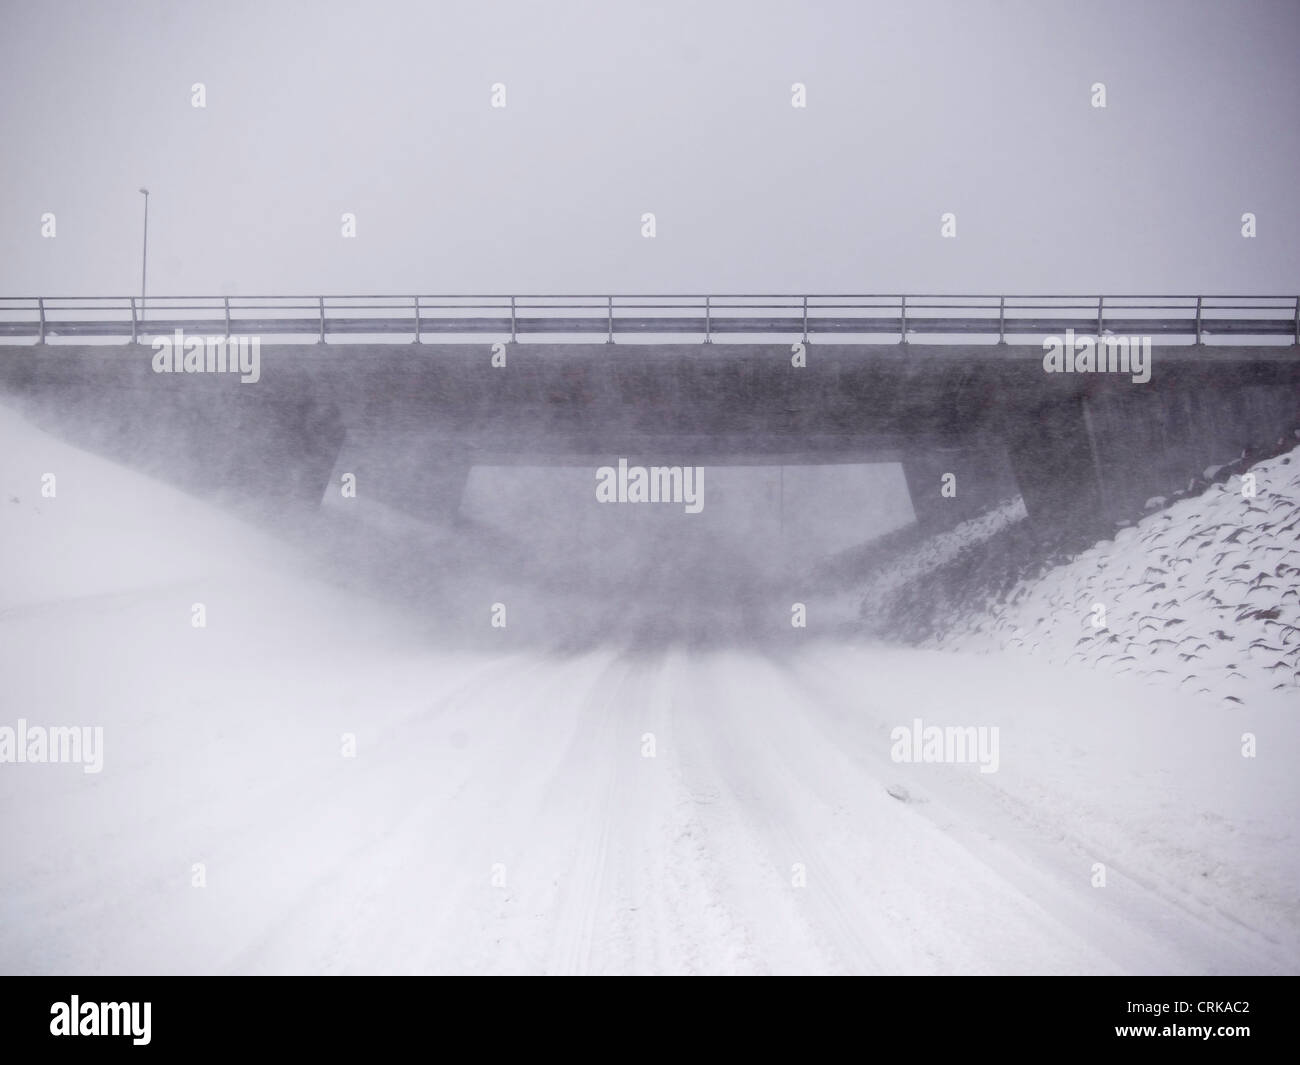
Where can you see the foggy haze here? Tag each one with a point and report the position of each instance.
(774, 649)
(682, 109)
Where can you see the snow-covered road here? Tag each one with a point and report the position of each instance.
(353, 798)
(611, 812)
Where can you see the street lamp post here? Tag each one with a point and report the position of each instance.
(144, 259)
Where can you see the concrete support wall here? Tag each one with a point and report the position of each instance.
(1151, 443)
(208, 434)
(1090, 460)
(1055, 468)
(982, 477)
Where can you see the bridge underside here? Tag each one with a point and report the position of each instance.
(1081, 448)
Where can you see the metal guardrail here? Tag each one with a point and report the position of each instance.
(323, 317)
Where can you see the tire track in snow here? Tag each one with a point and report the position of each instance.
(411, 879)
(1024, 844)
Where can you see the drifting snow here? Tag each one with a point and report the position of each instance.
(613, 810)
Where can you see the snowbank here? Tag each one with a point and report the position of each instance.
(1203, 596)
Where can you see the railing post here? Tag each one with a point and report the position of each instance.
(321, 303)
(1101, 302)
(610, 302)
(1297, 319)
(226, 301)
(805, 319)
(514, 331)
(708, 319)
(40, 306)
(1002, 319)
(134, 337)
(902, 337)
(417, 318)
(1198, 318)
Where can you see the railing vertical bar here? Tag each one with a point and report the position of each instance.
(805, 319)
(514, 331)
(1002, 319)
(1297, 319)
(708, 319)
(226, 301)
(610, 303)
(416, 300)
(1198, 318)
(1101, 314)
(321, 303)
(134, 335)
(902, 338)
(40, 306)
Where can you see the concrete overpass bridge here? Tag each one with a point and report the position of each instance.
(409, 393)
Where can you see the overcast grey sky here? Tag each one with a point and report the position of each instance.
(679, 108)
